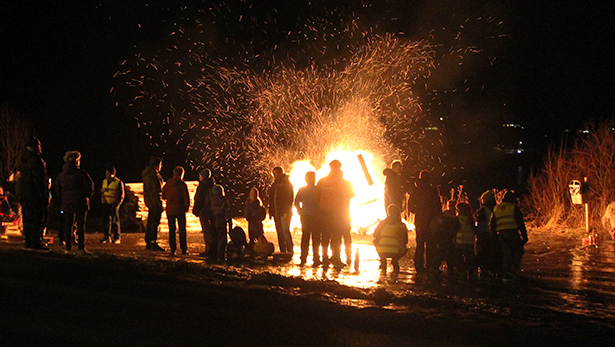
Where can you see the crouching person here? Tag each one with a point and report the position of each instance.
(391, 238)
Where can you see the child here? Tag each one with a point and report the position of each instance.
(255, 213)
(391, 238)
(175, 192)
(445, 228)
(221, 219)
(464, 242)
(238, 243)
(487, 246)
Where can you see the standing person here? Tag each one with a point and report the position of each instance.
(424, 203)
(281, 197)
(487, 246)
(112, 196)
(74, 187)
(508, 225)
(255, 213)
(394, 186)
(201, 207)
(444, 229)
(464, 242)
(221, 223)
(33, 193)
(175, 192)
(152, 190)
(335, 194)
(307, 203)
(391, 238)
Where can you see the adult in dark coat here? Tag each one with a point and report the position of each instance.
(33, 193)
(201, 207)
(152, 196)
(335, 194)
(74, 187)
(394, 186)
(281, 198)
(424, 203)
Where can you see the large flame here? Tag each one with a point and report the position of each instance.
(367, 207)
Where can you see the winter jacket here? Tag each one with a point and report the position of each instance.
(112, 191)
(32, 186)
(466, 234)
(255, 213)
(394, 189)
(424, 202)
(175, 192)
(391, 237)
(74, 187)
(201, 204)
(307, 201)
(281, 197)
(152, 187)
(335, 193)
(508, 217)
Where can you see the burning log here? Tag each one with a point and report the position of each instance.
(368, 177)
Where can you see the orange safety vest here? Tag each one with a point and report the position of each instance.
(466, 234)
(504, 215)
(110, 190)
(391, 239)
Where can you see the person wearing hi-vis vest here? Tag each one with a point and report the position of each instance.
(508, 225)
(112, 195)
(391, 238)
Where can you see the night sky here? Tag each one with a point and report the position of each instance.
(550, 65)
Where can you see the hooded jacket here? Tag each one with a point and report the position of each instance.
(152, 187)
(175, 192)
(32, 187)
(281, 197)
(74, 187)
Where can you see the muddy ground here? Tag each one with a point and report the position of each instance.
(122, 295)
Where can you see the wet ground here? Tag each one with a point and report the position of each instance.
(566, 294)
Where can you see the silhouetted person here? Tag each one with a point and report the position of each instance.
(487, 246)
(221, 223)
(391, 238)
(335, 194)
(175, 192)
(201, 207)
(152, 190)
(307, 203)
(74, 187)
(112, 196)
(465, 264)
(424, 203)
(444, 229)
(33, 193)
(255, 213)
(508, 225)
(281, 197)
(394, 186)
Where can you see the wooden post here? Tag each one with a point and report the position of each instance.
(586, 203)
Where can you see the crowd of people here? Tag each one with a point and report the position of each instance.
(450, 237)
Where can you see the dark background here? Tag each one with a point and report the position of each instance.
(550, 66)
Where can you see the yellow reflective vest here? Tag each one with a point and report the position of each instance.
(466, 234)
(109, 195)
(504, 215)
(392, 239)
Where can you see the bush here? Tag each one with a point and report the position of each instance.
(593, 156)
